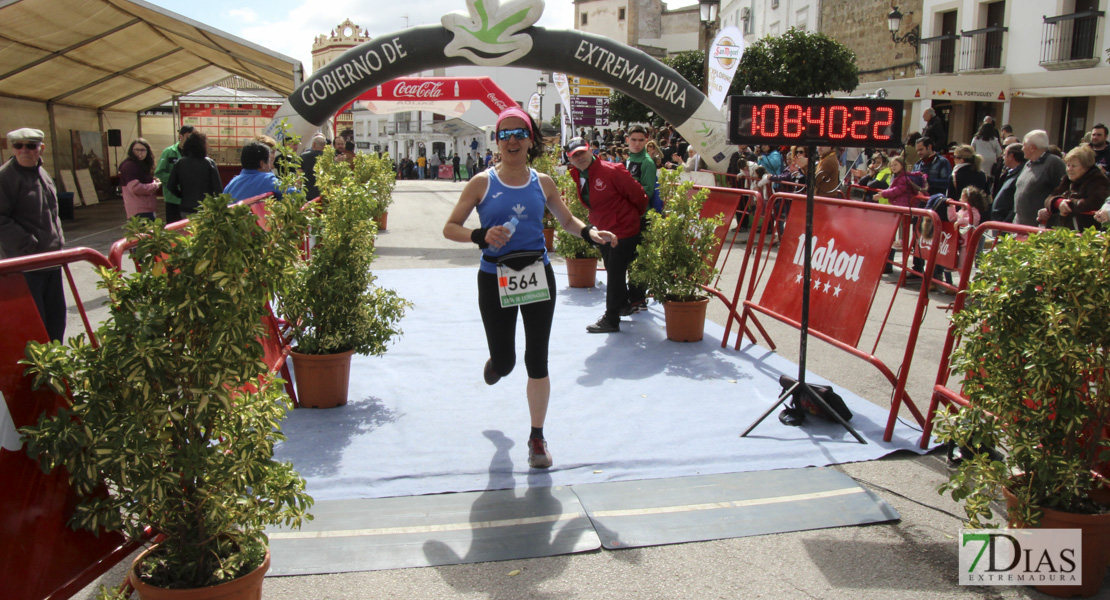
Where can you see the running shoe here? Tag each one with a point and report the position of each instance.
(538, 456)
(489, 374)
(604, 325)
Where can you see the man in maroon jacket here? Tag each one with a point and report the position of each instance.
(616, 202)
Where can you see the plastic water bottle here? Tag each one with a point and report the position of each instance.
(511, 225)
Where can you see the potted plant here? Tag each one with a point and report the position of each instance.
(580, 255)
(1035, 356)
(548, 164)
(673, 260)
(372, 172)
(172, 418)
(331, 303)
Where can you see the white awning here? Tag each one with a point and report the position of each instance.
(1062, 92)
(122, 55)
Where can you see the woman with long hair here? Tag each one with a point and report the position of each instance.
(137, 181)
(510, 198)
(194, 175)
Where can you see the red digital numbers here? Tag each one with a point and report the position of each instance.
(882, 127)
(861, 122)
(817, 120)
(792, 125)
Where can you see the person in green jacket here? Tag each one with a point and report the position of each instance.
(641, 165)
(165, 166)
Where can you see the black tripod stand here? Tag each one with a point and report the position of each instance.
(811, 152)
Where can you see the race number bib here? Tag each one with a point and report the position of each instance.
(525, 286)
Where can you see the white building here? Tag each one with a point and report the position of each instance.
(644, 24)
(762, 18)
(1036, 64)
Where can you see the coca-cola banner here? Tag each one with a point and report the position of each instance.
(947, 238)
(492, 34)
(850, 247)
(447, 91)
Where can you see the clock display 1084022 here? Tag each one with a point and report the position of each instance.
(850, 122)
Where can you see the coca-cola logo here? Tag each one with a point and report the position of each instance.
(427, 89)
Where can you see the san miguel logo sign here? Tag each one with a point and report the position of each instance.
(495, 34)
(849, 250)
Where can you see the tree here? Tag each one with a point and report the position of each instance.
(690, 64)
(798, 63)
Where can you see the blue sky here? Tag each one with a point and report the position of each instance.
(289, 26)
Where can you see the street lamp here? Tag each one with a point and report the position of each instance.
(894, 22)
(707, 10)
(541, 87)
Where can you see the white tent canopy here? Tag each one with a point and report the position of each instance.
(92, 61)
(72, 62)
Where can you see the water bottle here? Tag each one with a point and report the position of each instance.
(511, 225)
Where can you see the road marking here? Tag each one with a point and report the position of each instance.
(288, 535)
(632, 512)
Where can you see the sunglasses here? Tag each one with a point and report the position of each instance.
(520, 134)
(27, 145)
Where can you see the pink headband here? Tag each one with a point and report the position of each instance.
(514, 111)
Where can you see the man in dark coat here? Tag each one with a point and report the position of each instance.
(308, 165)
(29, 223)
(934, 129)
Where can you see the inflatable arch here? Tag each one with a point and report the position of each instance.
(495, 35)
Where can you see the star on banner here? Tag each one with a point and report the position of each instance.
(827, 286)
(836, 291)
(798, 278)
(817, 284)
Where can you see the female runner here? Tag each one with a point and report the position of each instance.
(510, 199)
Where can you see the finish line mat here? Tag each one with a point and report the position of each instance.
(652, 512)
(625, 406)
(468, 527)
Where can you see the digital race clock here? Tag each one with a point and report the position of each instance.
(849, 122)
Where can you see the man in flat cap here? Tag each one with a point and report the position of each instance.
(29, 223)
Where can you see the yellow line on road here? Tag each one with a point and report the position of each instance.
(727, 504)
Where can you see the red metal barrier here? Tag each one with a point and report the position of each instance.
(859, 235)
(941, 391)
(40, 556)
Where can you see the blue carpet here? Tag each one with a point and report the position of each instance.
(624, 406)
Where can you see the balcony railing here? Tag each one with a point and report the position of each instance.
(938, 54)
(1069, 40)
(982, 49)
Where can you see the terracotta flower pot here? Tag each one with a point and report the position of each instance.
(322, 379)
(247, 587)
(549, 238)
(1096, 547)
(382, 221)
(685, 320)
(582, 272)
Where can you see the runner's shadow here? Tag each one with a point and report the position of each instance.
(507, 526)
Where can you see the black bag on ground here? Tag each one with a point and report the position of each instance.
(802, 400)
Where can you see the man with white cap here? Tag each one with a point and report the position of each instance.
(29, 223)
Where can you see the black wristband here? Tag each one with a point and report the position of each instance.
(478, 236)
(585, 234)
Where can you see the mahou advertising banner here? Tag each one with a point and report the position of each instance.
(850, 246)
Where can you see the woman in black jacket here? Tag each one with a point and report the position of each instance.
(194, 175)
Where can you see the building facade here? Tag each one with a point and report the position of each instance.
(644, 24)
(1036, 64)
(762, 18)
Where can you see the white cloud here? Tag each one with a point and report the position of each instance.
(244, 15)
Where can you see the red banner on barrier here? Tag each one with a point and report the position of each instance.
(39, 553)
(949, 240)
(850, 247)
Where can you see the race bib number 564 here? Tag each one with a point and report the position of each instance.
(525, 286)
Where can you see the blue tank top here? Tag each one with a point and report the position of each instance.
(501, 203)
